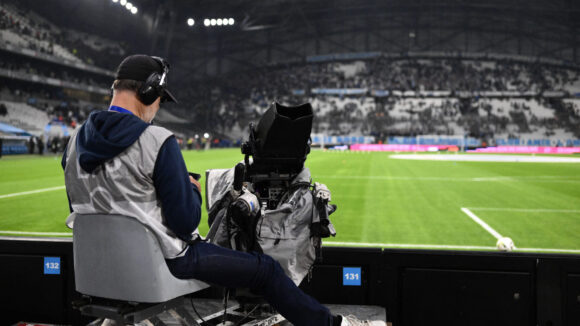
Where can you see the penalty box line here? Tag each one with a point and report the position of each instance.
(481, 223)
(31, 192)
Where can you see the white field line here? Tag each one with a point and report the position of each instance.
(37, 233)
(572, 251)
(401, 245)
(31, 192)
(481, 223)
(525, 210)
(422, 246)
(447, 179)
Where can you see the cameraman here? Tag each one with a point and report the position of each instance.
(117, 163)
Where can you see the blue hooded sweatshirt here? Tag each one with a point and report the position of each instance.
(106, 134)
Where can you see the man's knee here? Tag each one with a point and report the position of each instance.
(269, 271)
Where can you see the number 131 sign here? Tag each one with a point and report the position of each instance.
(351, 276)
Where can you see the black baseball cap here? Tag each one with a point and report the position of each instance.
(139, 67)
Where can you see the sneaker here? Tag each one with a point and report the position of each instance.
(353, 321)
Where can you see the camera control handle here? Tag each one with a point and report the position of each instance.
(239, 172)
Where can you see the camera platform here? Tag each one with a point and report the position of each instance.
(244, 316)
(236, 314)
(177, 312)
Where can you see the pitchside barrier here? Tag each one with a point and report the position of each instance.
(417, 287)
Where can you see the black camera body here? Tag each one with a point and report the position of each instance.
(278, 146)
(269, 203)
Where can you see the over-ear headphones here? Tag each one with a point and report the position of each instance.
(155, 84)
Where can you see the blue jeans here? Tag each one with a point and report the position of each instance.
(260, 273)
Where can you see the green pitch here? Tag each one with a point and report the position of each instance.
(381, 201)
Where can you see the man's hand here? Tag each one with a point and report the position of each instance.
(196, 183)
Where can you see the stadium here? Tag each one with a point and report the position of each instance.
(448, 133)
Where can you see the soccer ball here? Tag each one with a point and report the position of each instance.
(505, 244)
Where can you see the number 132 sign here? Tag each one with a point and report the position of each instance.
(51, 265)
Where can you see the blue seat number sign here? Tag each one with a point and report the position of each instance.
(351, 276)
(51, 265)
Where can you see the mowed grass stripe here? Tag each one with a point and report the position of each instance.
(397, 211)
(389, 203)
(39, 212)
(29, 172)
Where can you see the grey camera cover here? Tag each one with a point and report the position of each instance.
(282, 233)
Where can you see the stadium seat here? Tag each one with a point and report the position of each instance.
(117, 257)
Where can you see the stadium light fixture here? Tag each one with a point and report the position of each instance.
(190, 22)
(115, 1)
(218, 21)
(134, 10)
(123, 2)
(129, 6)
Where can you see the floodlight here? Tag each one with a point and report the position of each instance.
(129, 6)
(190, 21)
(225, 21)
(123, 2)
(115, 1)
(219, 21)
(231, 20)
(134, 10)
(212, 22)
(206, 22)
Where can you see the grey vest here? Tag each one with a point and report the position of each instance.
(123, 186)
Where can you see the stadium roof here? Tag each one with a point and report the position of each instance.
(273, 31)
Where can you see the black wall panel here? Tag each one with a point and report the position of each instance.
(417, 287)
(456, 297)
(29, 294)
(573, 299)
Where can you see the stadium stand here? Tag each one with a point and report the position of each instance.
(487, 98)
(25, 117)
(366, 94)
(29, 30)
(46, 88)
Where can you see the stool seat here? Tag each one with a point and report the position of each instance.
(117, 257)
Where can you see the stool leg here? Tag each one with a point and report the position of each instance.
(185, 317)
(97, 322)
(155, 321)
(109, 322)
